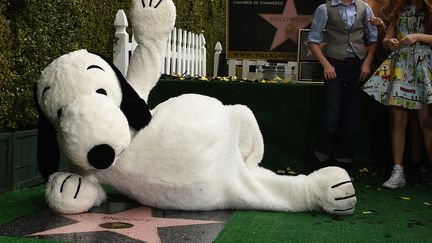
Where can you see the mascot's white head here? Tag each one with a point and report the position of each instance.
(85, 103)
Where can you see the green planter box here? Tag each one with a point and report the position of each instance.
(5, 162)
(18, 160)
(25, 172)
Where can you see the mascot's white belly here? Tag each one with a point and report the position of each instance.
(190, 151)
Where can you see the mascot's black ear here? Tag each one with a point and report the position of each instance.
(48, 153)
(134, 108)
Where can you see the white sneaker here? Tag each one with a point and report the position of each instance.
(397, 178)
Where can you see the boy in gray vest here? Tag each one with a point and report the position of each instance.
(346, 64)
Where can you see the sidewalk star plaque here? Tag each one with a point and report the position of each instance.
(137, 223)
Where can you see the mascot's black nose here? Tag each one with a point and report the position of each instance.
(101, 156)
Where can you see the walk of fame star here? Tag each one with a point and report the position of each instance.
(287, 24)
(137, 223)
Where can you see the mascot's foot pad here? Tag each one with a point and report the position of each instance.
(120, 222)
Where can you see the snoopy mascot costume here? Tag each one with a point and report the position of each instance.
(190, 152)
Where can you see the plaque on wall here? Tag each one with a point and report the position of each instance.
(310, 72)
(308, 67)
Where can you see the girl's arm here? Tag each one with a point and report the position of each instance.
(419, 37)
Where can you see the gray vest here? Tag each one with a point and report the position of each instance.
(340, 38)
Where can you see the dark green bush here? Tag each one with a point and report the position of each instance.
(203, 16)
(33, 33)
(6, 70)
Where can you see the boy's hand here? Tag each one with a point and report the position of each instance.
(329, 72)
(365, 71)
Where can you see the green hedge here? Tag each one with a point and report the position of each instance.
(33, 33)
(6, 63)
(207, 17)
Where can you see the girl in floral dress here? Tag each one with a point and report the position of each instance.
(403, 81)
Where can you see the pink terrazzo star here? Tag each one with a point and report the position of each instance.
(288, 23)
(139, 222)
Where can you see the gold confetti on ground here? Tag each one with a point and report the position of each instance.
(364, 170)
(405, 198)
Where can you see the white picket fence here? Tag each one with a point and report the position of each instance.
(185, 52)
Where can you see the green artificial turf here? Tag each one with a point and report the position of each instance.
(381, 215)
(21, 202)
(26, 240)
(16, 204)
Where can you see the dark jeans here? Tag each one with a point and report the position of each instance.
(340, 118)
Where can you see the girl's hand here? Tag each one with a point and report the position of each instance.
(375, 21)
(394, 44)
(410, 39)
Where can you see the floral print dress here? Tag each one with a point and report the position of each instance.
(404, 78)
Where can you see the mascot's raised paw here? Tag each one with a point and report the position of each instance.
(152, 22)
(334, 190)
(71, 193)
(152, 19)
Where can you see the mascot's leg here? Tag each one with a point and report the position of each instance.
(152, 22)
(329, 189)
(69, 193)
(250, 140)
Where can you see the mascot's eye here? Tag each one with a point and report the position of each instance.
(94, 66)
(59, 113)
(101, 91)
